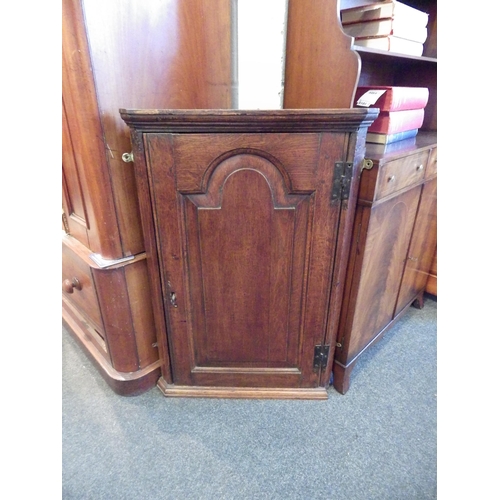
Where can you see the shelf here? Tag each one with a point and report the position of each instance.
(383, 55)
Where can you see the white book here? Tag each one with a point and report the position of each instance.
(392, 44)
(387, 27)
(384, 10)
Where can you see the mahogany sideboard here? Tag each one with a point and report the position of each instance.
(393, 247)
(323, 68)
(247, 219)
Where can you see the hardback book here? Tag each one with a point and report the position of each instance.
(392, 122)
(393, 44)
(391, 98)
(385, 139)
(387, 27)
(384, 10)
(392, 147)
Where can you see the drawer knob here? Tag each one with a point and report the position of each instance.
(420, 167)
(392, 178)
(69, 285)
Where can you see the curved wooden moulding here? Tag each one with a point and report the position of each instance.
(117, 335)
(277, 178)
(321, 69)
(123, 383)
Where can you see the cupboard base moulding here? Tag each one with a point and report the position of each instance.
(240, 392)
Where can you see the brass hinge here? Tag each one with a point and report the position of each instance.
(342, 180)
(320, 357)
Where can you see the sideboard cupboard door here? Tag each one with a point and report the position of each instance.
(381, 253)
(247, 217)
(422, 247)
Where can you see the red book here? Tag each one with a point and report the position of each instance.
(395, 98)
(392, 122)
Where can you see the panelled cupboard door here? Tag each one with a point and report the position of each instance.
(246, 233)
(386, 230)
(422, 247)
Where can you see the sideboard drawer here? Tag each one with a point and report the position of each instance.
(398, 174)
(78, 287)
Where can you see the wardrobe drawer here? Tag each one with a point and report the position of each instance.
(78, 287)
(432, 164)
(398, 174)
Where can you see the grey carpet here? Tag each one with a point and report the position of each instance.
(376, 442)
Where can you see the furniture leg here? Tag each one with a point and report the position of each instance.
(342, 377)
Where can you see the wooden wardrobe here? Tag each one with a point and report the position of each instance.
(137, 54)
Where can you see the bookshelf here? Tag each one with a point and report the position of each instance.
(323, 67)
(384, 68)
(394, 247)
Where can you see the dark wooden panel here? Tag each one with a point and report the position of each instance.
(82, 113)
(431, 169)
(141, 311)
(383, 234)
(250, 265)
(245, 232)
(196, 152)
(422, 247)
(160, 53)
(73, 198)
(321, 71)
(117, 318)
(154, 272)
(154, 54)
(431, 285)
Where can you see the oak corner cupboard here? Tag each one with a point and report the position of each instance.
(247, 218)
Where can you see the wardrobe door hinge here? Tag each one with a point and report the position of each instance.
(342, 180)
(320, 357)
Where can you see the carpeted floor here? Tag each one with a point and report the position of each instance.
(376, 442)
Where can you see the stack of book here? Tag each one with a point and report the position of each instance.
(388, 25)
(401, 112)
